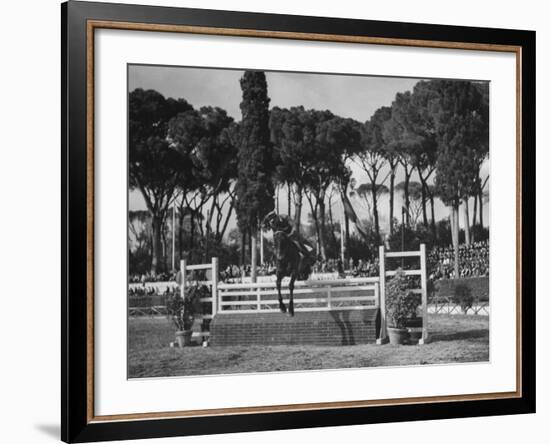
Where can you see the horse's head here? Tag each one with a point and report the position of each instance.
(269, 220)
(281, 227)
(275, 222)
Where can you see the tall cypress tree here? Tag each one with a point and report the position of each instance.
(255, 191)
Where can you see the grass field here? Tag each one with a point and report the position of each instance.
(454, 338)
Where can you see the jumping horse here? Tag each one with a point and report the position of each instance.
(293, 256)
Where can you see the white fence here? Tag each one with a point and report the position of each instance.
(339, 294)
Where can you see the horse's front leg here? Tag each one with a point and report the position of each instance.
(281, 303)
(291, 297)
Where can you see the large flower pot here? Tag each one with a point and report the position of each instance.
(397, 335)
(183, 338)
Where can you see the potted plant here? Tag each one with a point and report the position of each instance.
(401, 305)
(182, 312)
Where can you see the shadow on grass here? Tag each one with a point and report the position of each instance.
(459, 335)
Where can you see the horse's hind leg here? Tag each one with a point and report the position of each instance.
(281, 303)
(291, 300)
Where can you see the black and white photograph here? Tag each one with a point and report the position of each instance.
(243, 222)
(287, 221)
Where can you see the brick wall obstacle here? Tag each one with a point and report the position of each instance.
(334, 327)
(337, 312)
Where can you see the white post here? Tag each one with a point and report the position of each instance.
(382, 295)
(214, 286)
(329, 298)
(423, 281)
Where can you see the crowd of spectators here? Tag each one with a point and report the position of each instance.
(473, 261)
(141, 291)
(150, 277)
(363, 268)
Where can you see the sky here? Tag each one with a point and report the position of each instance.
(352, 96)
(356, 97)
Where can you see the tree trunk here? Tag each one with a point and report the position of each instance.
(458, 222)
(322, 228)
(407, 199)
(343, 194)
(452, 222)
(226, 223)
(277, 199)
(253, 254)
(249, 238)
(243, 248)
(192, 237)
(164, 251)
(180, 233)
(424, 212)
(474, 217)
(315, 216)
(466, 221)
(455, 240)
(392, 190)
(375, 211)
(207, 237)
(298, 211)
(346, 227)
(156, 262)
(331, 220)
(289, 201)
(434, 231)
(480, 197)
(210, 214)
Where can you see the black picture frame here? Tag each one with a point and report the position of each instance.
(77, 425)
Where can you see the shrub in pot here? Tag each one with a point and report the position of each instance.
(401, 305)
(182, 312)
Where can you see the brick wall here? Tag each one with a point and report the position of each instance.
(337, 327)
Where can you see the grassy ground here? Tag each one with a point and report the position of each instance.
(454, 338)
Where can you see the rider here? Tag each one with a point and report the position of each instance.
(282, 223)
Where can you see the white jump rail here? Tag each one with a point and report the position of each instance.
(339, 294)
(402, 253)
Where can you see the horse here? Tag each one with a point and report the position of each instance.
(293, 256)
